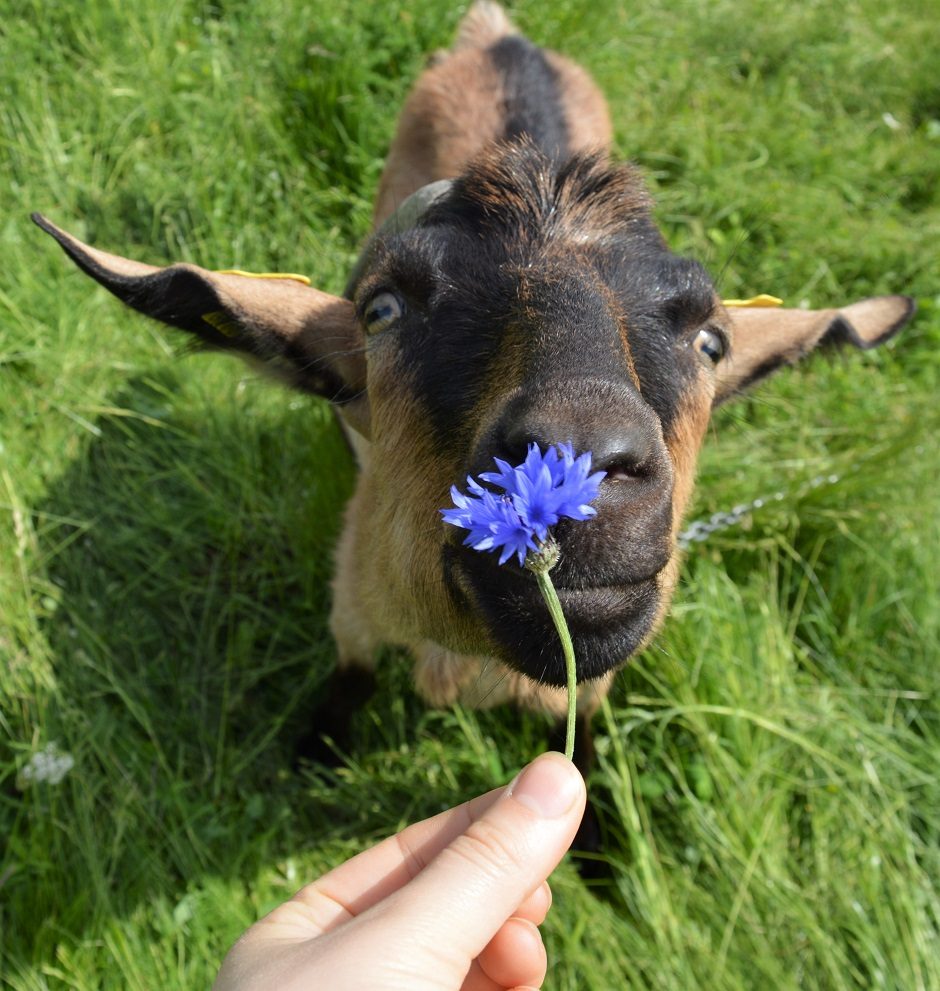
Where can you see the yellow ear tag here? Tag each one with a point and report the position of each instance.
(265, 275)
(222, 322)
(763, 300)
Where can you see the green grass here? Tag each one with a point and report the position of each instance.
(767, 770)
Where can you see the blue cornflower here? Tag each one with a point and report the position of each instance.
(536, 495)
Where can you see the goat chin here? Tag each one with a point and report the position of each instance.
(608, 621)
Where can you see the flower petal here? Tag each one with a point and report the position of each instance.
(536, 495)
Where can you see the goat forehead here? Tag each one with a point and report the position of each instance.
(514, 208)
(527, 272)
(516, 188)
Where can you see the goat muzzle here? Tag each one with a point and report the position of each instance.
(609, 576)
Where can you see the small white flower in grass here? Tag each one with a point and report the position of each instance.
(48, 766)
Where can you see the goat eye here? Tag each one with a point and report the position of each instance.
(382, 311)
(712, 344)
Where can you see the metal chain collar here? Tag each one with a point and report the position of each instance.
(700, 530)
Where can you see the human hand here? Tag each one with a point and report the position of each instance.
(449, 903)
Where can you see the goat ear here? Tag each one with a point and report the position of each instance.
(764, 340)
(306, 336)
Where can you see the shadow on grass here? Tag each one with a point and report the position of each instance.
(187, 554)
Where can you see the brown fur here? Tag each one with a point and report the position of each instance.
(450, 116)
(514, 201)
(484, 23)
(683, 443)
(584, 107)
(443, 678)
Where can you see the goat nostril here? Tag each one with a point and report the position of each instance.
(624, 455)
(622, 473)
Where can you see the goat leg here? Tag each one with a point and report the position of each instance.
(348, 689)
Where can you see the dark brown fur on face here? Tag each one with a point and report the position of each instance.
(539, 303)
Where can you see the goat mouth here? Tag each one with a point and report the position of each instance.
(608, 622)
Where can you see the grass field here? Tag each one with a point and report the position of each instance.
(768, 770)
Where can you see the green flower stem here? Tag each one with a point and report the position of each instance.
(558, 618)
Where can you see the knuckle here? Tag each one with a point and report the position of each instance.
(489, 847)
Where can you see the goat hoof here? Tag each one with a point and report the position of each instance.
(347, 691)
(316, 748)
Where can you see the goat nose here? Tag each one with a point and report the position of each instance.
(622, 449)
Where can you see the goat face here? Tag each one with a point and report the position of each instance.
(536, 304)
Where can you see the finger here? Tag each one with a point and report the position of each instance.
(476, 980)
(500, 857)
(372, 875)
(515, 956)
(536, 906)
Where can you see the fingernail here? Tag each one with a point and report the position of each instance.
(549, 786)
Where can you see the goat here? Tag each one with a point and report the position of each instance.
(516, 290)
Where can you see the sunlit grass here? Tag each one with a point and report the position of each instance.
(767, 769)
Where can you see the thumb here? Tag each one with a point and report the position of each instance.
(462, 898)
